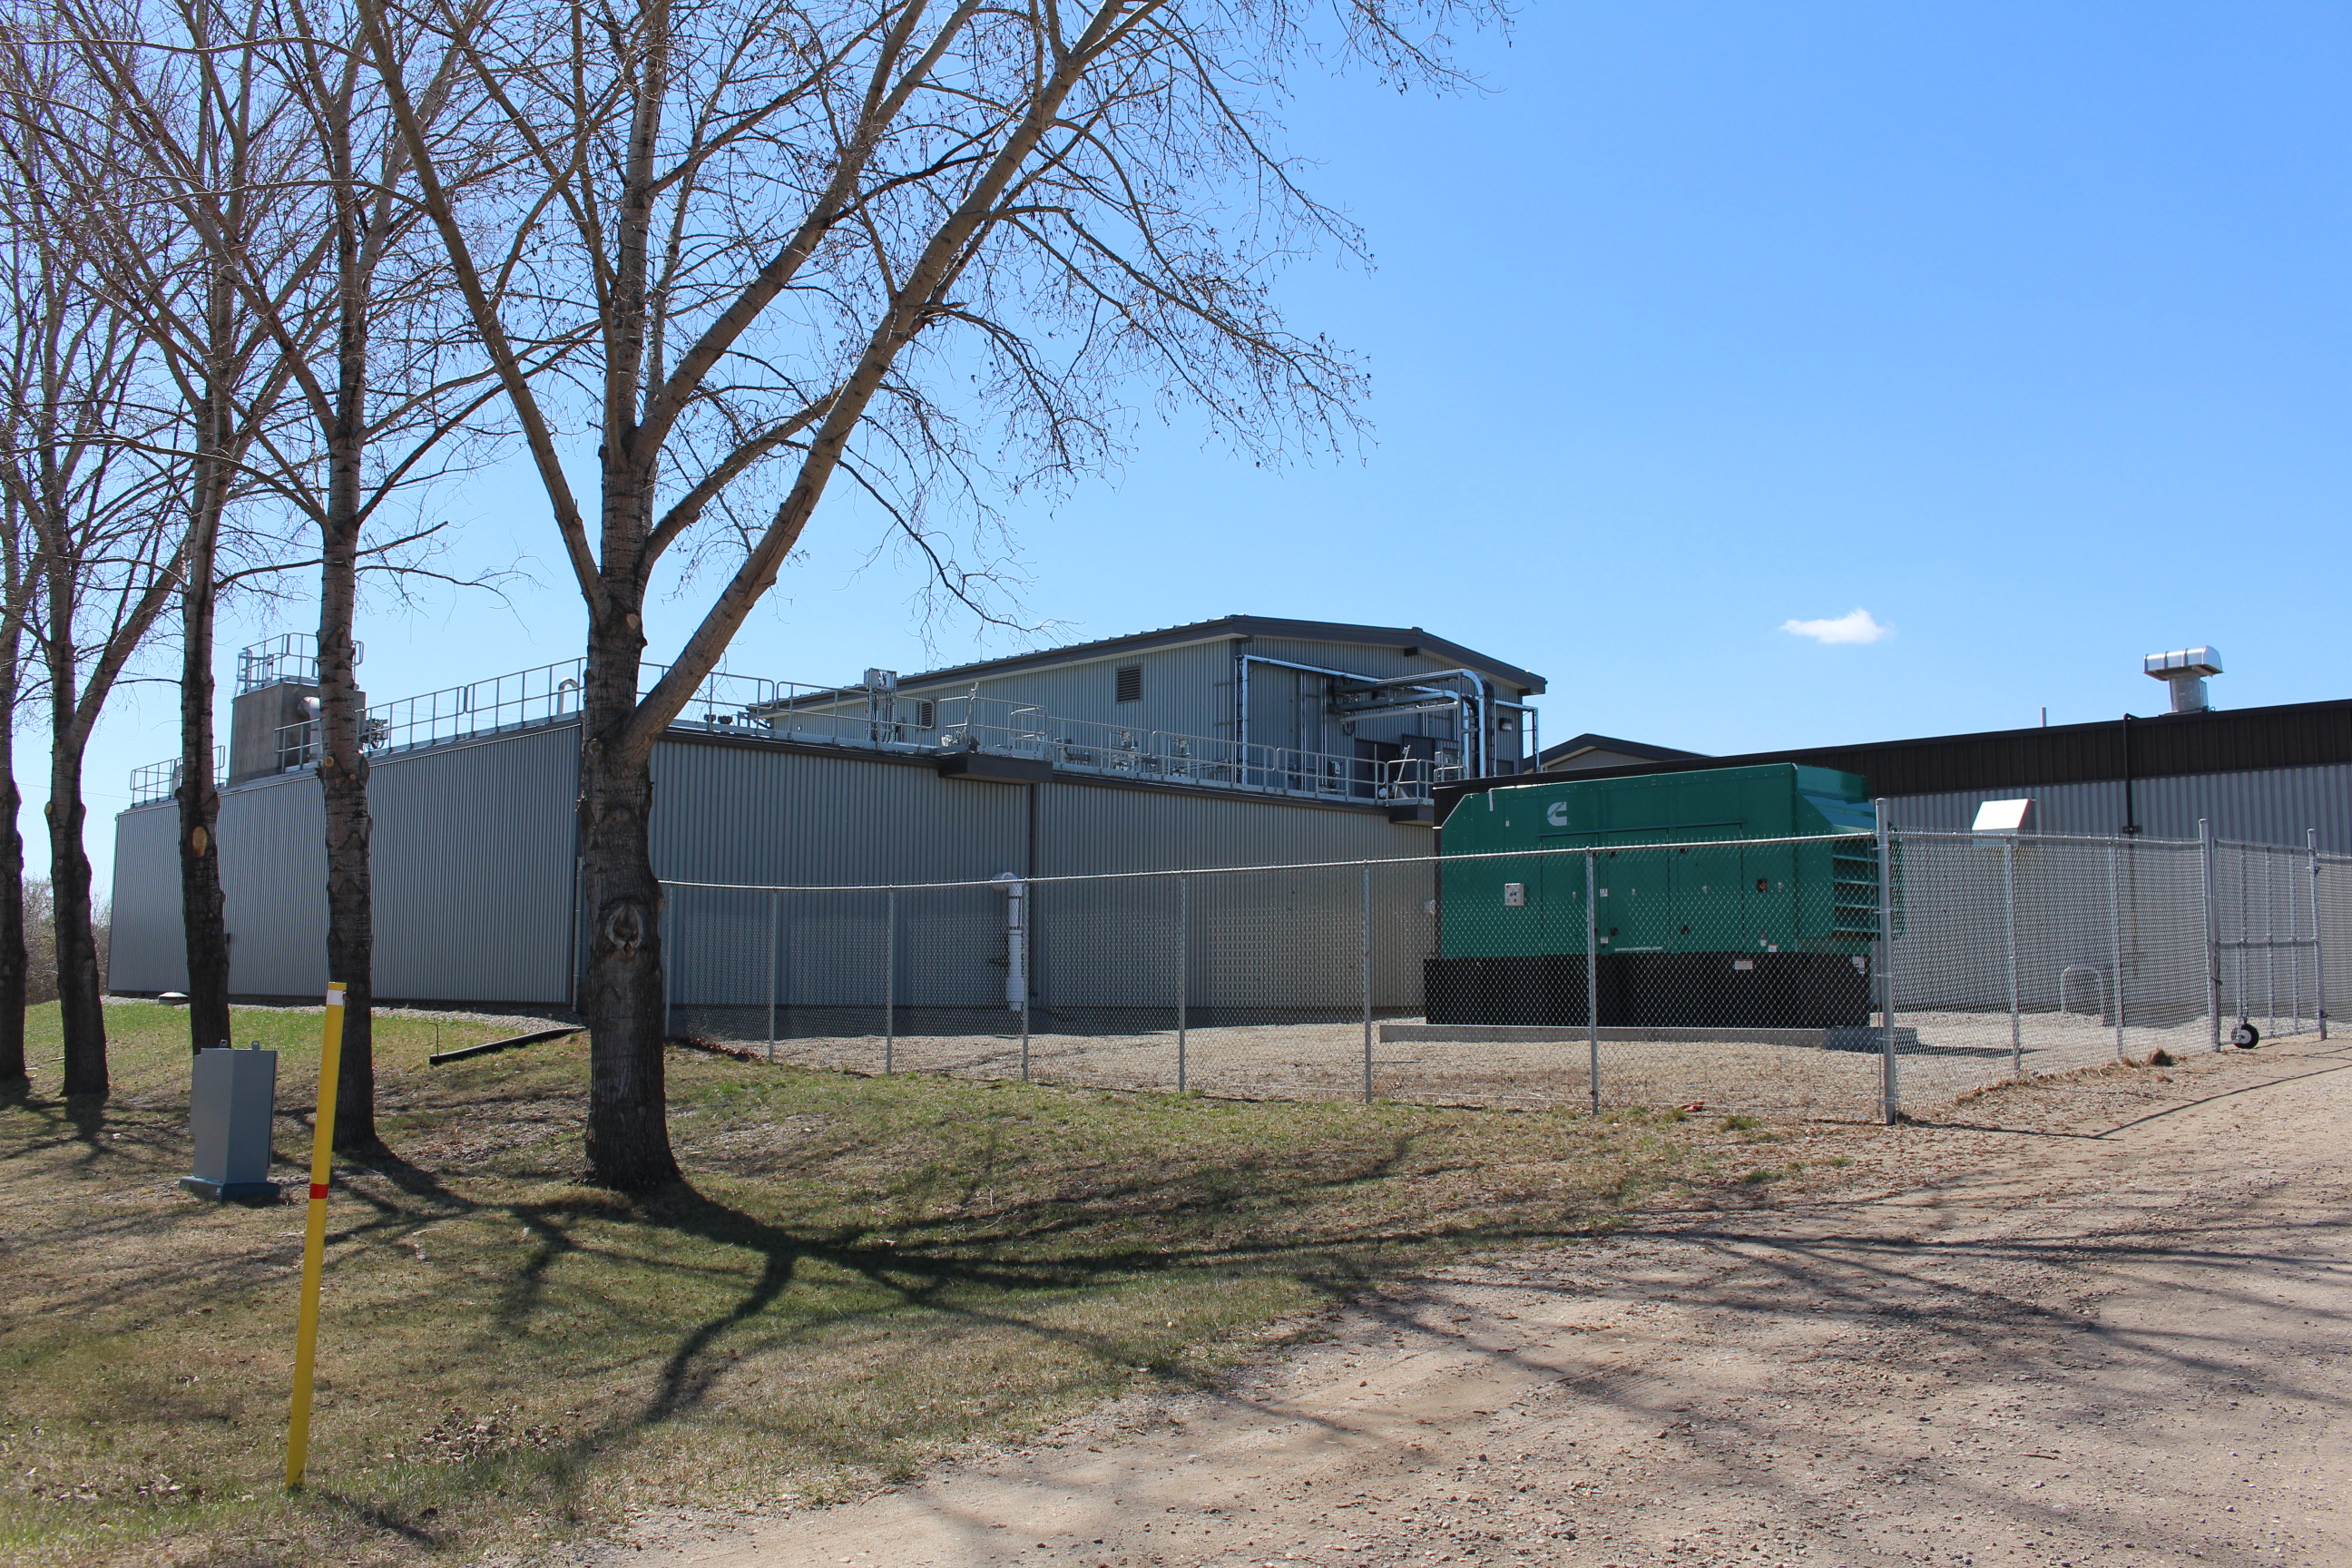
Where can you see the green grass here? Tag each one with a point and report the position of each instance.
(862, 1276)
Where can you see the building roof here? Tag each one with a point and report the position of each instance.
(1410, 639)
(2291, 735)
(1578, 744)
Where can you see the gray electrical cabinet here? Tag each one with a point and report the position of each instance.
(232, 1101)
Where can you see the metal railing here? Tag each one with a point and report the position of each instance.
(288, 657)
(161, 781)
(997, 726)
(868, 719)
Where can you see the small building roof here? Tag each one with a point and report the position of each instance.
(1410, 639)
(2290, 735)
(1632, 750)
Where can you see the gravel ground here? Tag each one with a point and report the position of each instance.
(1952, 1052)
(2102, 1320)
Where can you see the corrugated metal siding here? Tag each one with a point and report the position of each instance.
(1186, 690)
(1357, 659)
(473, 851)
(733, 813)
(1083, 829)
(150, 946)
(1189, 690)
(273, 855)
(1287, 935)
(2273, 805)
(472, 865)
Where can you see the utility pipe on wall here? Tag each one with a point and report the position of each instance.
(1477, 710)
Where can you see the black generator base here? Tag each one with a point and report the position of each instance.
(1640, 990)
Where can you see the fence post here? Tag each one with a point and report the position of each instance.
(1890, 1083)
(1591, 986)
(668, 964)
(2115, 938)
(1183, 971)
(2318, 937)
(2270, 938)
(2212, 932)
(1020, 965)
(1368, 982)
(2009, 906)
(775, 934)
(891, 981)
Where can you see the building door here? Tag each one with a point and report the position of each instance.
(1377, 762)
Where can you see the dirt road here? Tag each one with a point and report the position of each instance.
(2115, 1330)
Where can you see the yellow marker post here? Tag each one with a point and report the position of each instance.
(314, 1237)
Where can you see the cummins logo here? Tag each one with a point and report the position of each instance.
(1557, 813)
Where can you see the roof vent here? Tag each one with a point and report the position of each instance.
(2185, 670)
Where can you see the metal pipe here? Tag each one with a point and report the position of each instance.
(2115, 938)
(891, 981)
(775, 902)
(1016, 943)
(1241, 709)
(1484, 694)
(1889, 1082)
(1368, 982)
(668, 967)
(2008, 905)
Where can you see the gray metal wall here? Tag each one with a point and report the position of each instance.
(2273, 805)
(736, 813)
(733, 813)
(474, 855)
(149, 951)
(273, 865)
(1188, 690)
(472, 867)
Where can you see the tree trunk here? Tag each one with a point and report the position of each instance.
(13, 958)
(343, 766)
(621, 995)
(81, 1012)
(350, 918)
(204, 916)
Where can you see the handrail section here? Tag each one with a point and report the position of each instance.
(867, 719)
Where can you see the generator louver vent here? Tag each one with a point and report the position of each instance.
(1131, 683)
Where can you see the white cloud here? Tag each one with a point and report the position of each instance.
(1854, 625)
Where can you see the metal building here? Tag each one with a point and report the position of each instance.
(1239, 742)
(2259, 775)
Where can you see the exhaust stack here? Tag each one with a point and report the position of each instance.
(2185, 669)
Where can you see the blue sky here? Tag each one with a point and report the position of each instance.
(2022, 328)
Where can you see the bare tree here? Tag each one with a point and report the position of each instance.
(176, 112)
(89, 465)
(16, 601)
(927, 244)
(261, 130)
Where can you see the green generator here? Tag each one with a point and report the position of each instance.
(1691, 926)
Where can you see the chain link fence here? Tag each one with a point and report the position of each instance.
(1749, 975)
